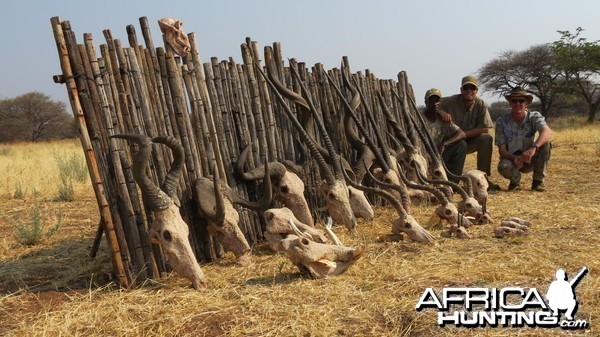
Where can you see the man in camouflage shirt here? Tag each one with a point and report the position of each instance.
(447, 136)
(519, 151)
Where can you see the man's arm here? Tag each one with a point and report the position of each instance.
(457, 136)
(544, 136)
(476, 132)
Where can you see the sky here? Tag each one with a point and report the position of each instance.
(435, 42)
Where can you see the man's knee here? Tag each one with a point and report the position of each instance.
(483, 142)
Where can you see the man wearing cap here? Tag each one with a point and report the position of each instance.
(470, 113)
(447, 136)
(519, 151)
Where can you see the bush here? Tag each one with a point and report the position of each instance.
(34, 229)
(70, 168)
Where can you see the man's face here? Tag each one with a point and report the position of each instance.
(518, 104)
(433, 103)
(469, 92)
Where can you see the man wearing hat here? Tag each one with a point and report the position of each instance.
(446, 135)
(471, 114)
(520, 152)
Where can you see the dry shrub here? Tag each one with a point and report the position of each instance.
(375, 297)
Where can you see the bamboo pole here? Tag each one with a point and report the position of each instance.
(59, 29)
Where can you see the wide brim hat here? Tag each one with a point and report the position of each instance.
(519, 92)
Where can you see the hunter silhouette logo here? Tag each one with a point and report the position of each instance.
(512, 306)
(561, 293)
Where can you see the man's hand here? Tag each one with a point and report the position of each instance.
(446, 117)
(518, 161)
(528, 154)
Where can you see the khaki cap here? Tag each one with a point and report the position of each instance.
(469, 79)
(433, 92)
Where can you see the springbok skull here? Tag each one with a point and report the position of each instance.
(216, 200)
(176, 38)
(168, 228)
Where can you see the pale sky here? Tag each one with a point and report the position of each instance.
(436, 42)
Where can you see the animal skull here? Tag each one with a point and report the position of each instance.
(176, 38)
(168, 228)
(278, 228)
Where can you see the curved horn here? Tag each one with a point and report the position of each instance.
(325, 171)
(452, 184)
(337, 167)
(359, 125)
(463, 178)
(156, 198)
(385, 154)
(264, 202)
(381, 192)
(277, 170)
(437, 193)
(172, 178)
(400, 134)
(401, 190)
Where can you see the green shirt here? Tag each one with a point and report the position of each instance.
(477, 116)
(439, 129)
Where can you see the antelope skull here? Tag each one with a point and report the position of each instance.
(168, 228)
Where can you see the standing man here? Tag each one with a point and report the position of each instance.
(447, 136)
(470, 113)
(519, 151)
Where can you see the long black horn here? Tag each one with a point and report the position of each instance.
(264, 202)
(335, 163)
(325, 170)
(155, 198)
(381, 192)
(437, 193)
(385, 154)
(359, 125)
(277, 170)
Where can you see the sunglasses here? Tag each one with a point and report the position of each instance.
(469, 87)
(517, 101)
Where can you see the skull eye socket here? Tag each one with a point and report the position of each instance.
(407, 225)
(304, 241)
(269, 216)
(448, 212)
(284, 190)
(167, 236)
(331, 196)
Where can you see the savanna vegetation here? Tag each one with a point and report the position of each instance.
(53, 288)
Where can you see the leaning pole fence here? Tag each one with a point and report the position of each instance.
(215, 108)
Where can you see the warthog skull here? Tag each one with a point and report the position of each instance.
(278, 227)
(176, 38)
(168, 228)
(318, 260)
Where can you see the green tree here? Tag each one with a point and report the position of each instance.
(533, 69)
(33, 117)
(579, 61)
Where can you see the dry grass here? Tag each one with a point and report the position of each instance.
(54, 289)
